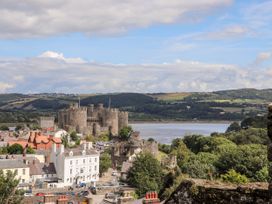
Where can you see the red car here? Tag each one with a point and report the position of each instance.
(40, 194)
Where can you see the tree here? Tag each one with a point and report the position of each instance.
(30, 150)
(145, 174)
(105, 163)
(234, 127)
(125, 132)
(18, 127)
(192, 142)
(15, 149)
(249, 136)
(233, 177)
(74, 137)
(64, 140)
(4, 128)
(245, 159)
(200, 165)
(9, 194)
(179, 149)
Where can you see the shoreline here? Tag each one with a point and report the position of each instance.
(180, 122)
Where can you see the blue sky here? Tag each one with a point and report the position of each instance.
(136, 46)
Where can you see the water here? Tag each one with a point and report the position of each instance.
(166, 132)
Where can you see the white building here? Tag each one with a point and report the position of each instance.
(76, 165)
(18, 166)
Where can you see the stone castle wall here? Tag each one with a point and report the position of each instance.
(197, 191)
(92, 120)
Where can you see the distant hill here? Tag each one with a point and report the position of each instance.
(120, 100)
(218, 105)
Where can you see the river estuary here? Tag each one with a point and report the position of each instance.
(166, 132)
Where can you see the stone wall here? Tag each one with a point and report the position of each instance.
(92, 120)
(197, 191)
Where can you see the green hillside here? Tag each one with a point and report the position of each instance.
(218, 105)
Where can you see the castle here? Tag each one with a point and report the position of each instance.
(92, 120)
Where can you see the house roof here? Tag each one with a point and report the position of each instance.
(41, 139)
(37, 168)
(78, 151)
(12, 164)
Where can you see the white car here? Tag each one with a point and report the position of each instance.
(28, 194)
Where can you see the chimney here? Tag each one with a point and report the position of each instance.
(61, 148)
(47, 159)
(54, 147)
(89, 145)
(25, 161)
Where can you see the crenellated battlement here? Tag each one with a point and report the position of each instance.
(93, 119)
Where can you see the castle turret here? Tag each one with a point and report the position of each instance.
(122, 119)
(110, 120)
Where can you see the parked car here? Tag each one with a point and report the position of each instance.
(83, 193)
(26, 194)
(93, 190)
(40, 194)
(110, 196)
(80, 185)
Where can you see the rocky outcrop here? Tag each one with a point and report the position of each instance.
(197, 191)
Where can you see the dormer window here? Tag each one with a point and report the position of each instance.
(83, 152)
(71, 153)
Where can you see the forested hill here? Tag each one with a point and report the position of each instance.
(219, 105)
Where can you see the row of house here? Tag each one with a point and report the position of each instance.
(58, 167)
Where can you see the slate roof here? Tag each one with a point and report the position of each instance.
(12, 164)
(37, 168)
(78, 151)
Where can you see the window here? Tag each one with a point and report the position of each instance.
(95, 168)
(83, 161)
(71, 171)
(76, 161)
(95, 160)
(81, 170)
(23, 180)
(16, 171)
(71, 162)
(71, 180)
(90, 160)
(23, 171)
(90, 169)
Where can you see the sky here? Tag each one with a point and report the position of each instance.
(102, 46)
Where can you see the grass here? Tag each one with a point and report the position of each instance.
(171, 96)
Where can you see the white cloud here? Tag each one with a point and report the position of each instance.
(59, 56)
(32, 18)
(4, 87)
(262, 57)
(46, 74)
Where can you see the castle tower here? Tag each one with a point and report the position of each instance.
(122, 119)
(269, 153)
(78, 118)
(110, 120)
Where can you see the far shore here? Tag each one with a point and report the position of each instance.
(180, 121)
